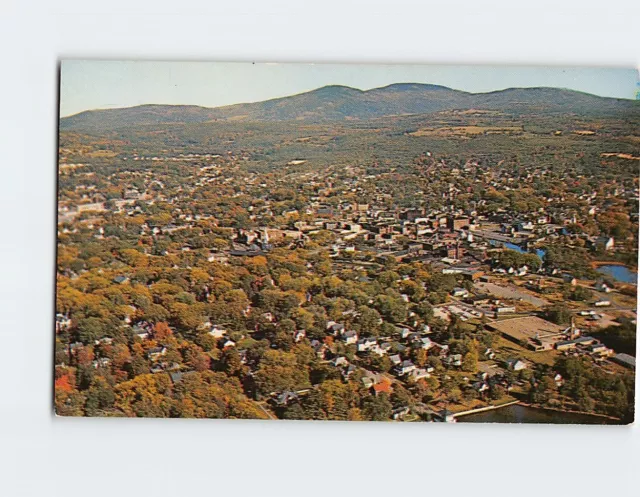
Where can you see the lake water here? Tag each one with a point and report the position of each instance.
(619, 273)
(517, 413)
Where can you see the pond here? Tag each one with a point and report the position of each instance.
(517, 413)
(619, 273)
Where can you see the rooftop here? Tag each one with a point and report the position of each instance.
(527, 328)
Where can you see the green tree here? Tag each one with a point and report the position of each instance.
(280, 371)
(559, 314)
(377, 407)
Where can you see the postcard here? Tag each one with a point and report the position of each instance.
(400, 243)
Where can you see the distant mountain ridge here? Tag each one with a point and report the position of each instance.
(338, 103)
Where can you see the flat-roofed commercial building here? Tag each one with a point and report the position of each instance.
(531, 331)
(626, 360)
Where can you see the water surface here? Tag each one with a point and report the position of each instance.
(619, 273)
(517, 413)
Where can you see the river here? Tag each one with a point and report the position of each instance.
(619, 273)
(517, 413)
(539, 252)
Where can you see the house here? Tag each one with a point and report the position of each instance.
(418, 374)
(377, 350)
(453, 360)
(299, 335)
(62, 322)
(383, 386)
(425, 343)
(320, 349)
(404, 367)
(268, 317)
(217, 332)
(101, 362)
(440, 350)
(395, 359)
(350, 337)
(425, 329)
(567, 278)
(140, 332)
(365, 344)
(601, 286)
(370, 378)
(480, 386)
(121, 280)
(156, 352)
(340, 361)
(386, 347)
(603, 243)
(405, 332)
(368, 382)
(515, 364)
(74, 347)
(400, 412)
(282, 399)
(228, 343)
(335, 328)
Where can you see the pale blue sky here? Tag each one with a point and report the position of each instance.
(89, 85)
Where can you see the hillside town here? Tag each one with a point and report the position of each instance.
(228, 282)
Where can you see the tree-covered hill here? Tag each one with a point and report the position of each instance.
(339, 103)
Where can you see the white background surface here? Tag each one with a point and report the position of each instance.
(43, 456)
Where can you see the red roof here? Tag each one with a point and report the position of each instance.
(383, 386)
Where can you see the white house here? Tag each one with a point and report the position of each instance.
(217, 332)
(601, 286)
(350, 337)
(395, 359)
(516, 364)
(340, 361)
(378, 350)
(365, 344)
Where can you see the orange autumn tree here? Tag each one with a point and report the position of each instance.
(161, 331)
